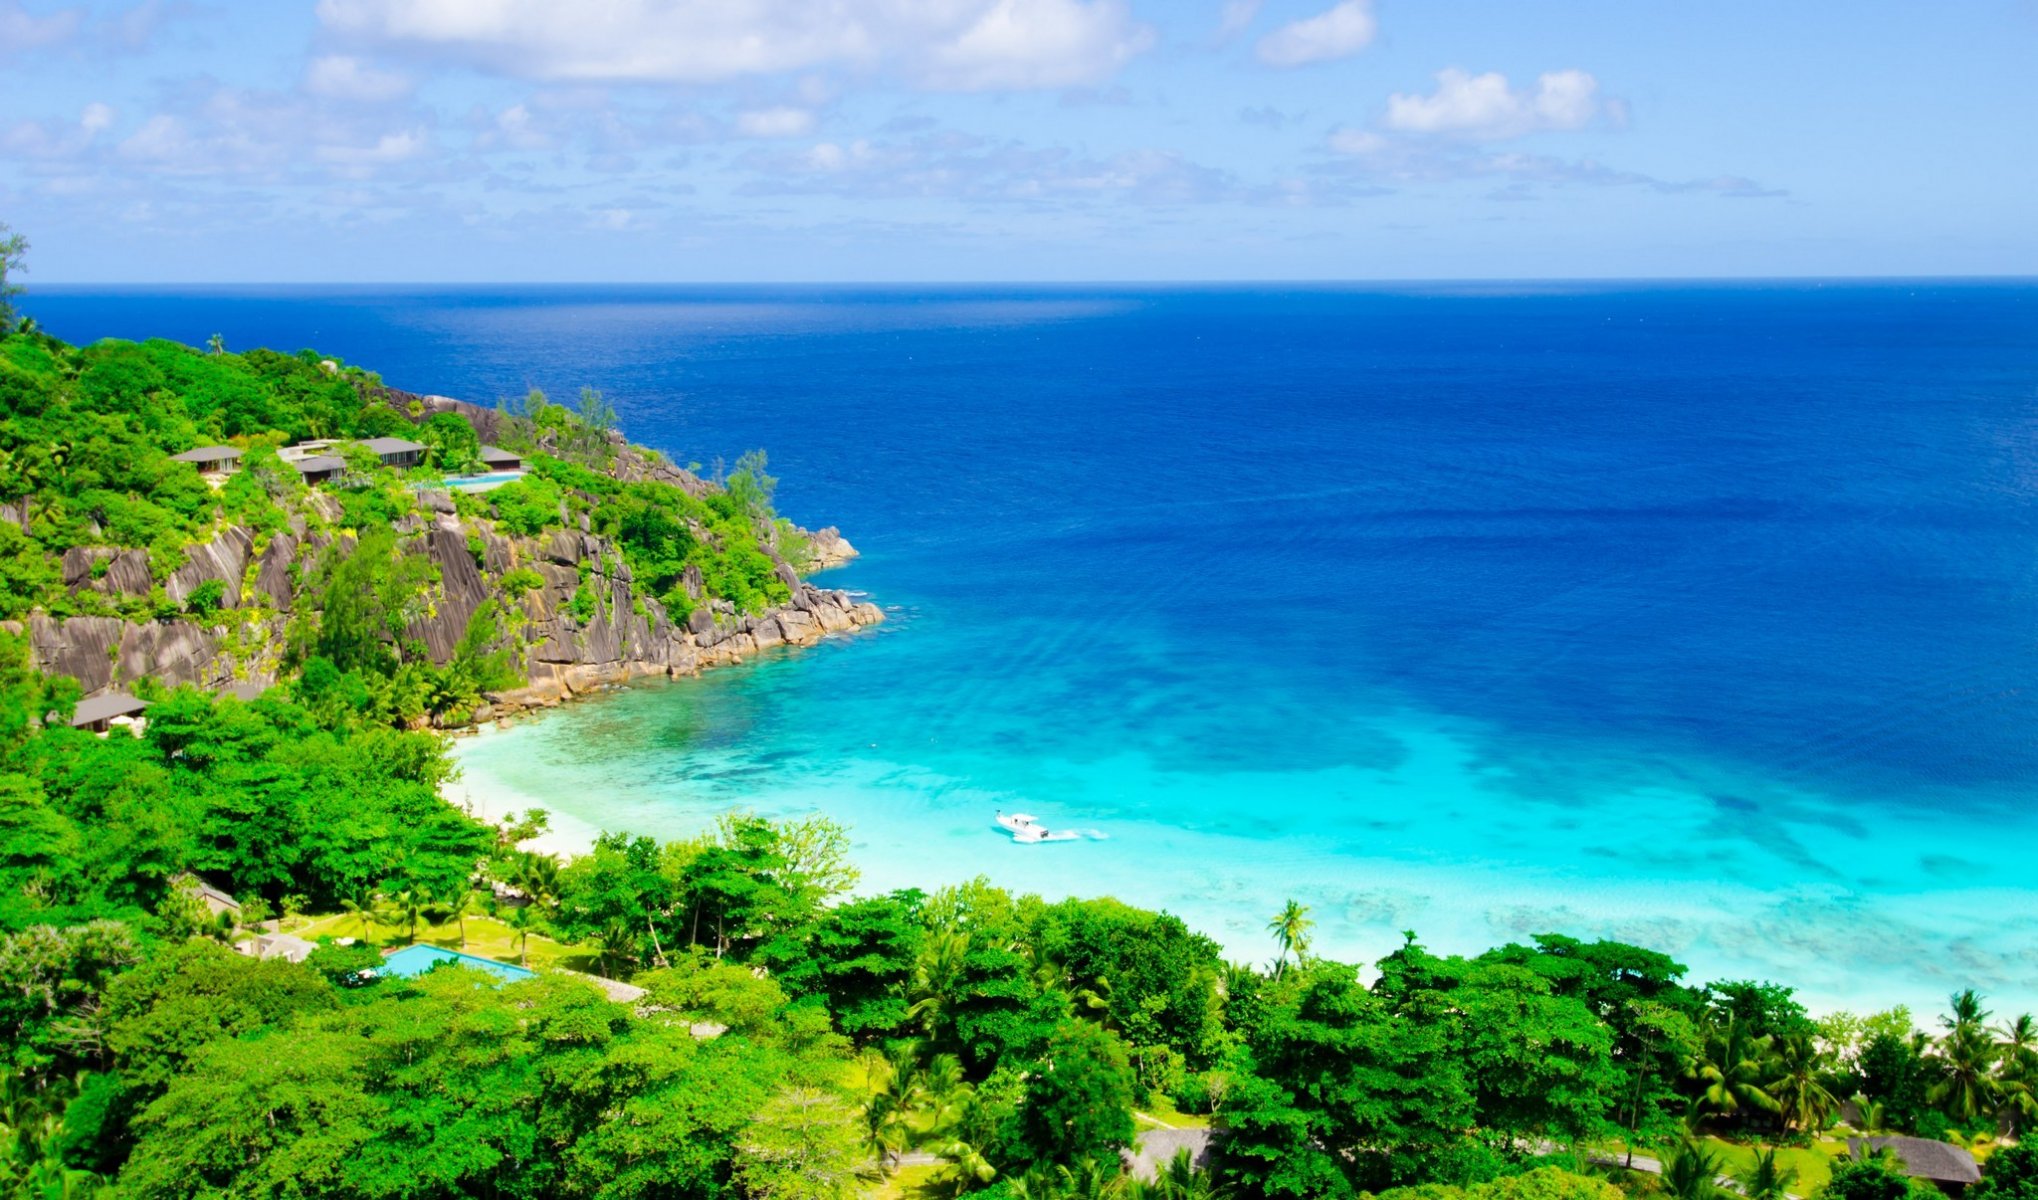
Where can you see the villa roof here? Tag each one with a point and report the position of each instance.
(1922, 1157)
(199, 887)
(206, 454)
(102, 708)
(498, 454)
(390, 445)
(319, 462)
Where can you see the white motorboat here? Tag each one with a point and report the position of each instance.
(1027, 828)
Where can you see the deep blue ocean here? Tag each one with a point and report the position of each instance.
(1701, 615)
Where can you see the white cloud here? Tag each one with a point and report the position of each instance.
(96, 118)
(1485, 108)
(964, 45)
(21, 30)
(774, 122)
(1340, 31)
(1373, 158)
(1237, 14)
(1019, 45)
(1356, 141)
(389, 148)
(343, 77)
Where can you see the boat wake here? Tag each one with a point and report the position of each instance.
(1027, 830)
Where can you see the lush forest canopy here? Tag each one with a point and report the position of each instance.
(792, 1037)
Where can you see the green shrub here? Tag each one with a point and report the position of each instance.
(205, 599)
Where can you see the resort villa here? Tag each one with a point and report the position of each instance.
(1948, 1167)
(213, 462)
(99, 714)
(319, 460)
(395, 452)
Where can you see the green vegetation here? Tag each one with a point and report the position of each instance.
(87, 436)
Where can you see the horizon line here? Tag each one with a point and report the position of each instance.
(74, 284)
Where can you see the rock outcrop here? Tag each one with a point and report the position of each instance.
(566, 647)
(628, 634)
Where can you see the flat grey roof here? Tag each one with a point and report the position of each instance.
(1922, 1157)
(390, 445)
(100, 708)
(319, 462)
(206, 454)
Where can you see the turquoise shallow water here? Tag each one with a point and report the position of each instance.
(1430, 834)
(1700, 615)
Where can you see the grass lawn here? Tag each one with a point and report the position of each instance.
(1813, 1164)
(1162, 1112)
(486, 937)
(914, 1183)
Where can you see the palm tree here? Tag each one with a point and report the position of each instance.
(1965, 1090)
(937, 976)
(1801, 1099)
(966, 1164)
(618, 942)
(946, 1091)
(410, 904)
(536, 875)
(1766, 1179)
(456, 903)
(360, 901)
(1179, 1179)
(895, 1094)
(521, 919)
(1088, 1181)
(1291, 930)
(2018, 1043)
(1967, 1011)
(1732, 1066)
(1692, 1173)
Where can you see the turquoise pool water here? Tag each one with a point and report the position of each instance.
(415, 960)
(494, 479)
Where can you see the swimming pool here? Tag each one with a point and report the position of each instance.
(483, 482)
(414, 960)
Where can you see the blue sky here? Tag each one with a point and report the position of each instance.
(680, 140)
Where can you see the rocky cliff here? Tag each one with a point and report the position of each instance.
(564, 650)
(628, 635)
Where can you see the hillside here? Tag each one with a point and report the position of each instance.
(316, 535)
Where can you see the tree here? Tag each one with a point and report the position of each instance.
(1765, 1178)
(521, 918)
(450, 443)
(360, 901)
(13, 261)
(455, 902)
(1731, 1069)
(801, 1146)
(1078, 1106)
(1802, 1100)
(1877, 1177)
(1692, 1172)
(750, 487)
(1966, 1089)
(2011, 1174)
(408, 905)
(1893, 1076)
(1291, 930)
(1346, 1093)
